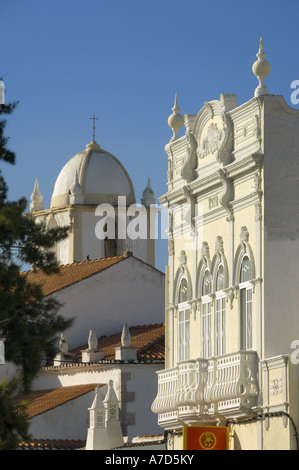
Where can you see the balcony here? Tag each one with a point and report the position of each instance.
(207, 389)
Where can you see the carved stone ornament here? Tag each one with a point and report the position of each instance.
(228, 192)
(214, 135)
(230, 296)
(189, 218)
(244, 234)
(183, 259)
(211, 142)
(205, 251)
(189, 166)
(171, 246)
(219, 244)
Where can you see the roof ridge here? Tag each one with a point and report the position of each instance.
(70, 274)
(78, 263)
(148, 325)
(35, 404)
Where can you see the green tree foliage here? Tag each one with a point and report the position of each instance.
(13, 423)
(32, 321)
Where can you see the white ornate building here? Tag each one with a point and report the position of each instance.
(232, 278)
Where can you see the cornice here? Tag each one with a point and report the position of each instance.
(212, 181)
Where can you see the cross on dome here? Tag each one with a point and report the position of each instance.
(94, 119)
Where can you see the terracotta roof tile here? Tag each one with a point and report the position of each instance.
(144, 441)
(41, 401)
(52, 444)
(148, 339)
(70, 273)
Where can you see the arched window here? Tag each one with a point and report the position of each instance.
(220, 320)
(206, 315)
(245, 304)
(220, 278)
(183, 291)
(207, 283)
(245, 274)
(183, 322)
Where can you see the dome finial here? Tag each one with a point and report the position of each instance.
(175, 120)
(261, 68)
(94, 119)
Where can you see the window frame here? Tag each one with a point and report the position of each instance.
(206, 317)
(246, 310)
(184, 328)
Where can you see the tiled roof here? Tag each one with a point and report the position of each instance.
(52, 444)
(73, 444)
(70, 273)
(144, 442)
(148, 339)
(41, 401)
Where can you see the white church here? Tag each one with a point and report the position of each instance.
(102, 382)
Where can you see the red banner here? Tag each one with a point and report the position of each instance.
(205, 438)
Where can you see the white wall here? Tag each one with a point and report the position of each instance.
(281, 296)
(68, 421)
(129, 291)
(281, 231)
(135, 386)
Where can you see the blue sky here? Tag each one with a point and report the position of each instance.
(124, 60)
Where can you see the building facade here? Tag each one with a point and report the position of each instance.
(231, 298)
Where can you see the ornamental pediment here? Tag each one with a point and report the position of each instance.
(213, 130)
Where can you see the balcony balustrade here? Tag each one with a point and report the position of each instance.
(204, 389)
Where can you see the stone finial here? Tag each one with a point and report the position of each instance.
(63, 344)
(126, 352)
(2, 92)
(98, 404)
(36, 199)
(63, 354)
(261, 68)
(110, 395)
(92, 353)
(76, 192)
(92, 340)
(175, 120)
(112, 417)
(125, 336)
(97, 434)
(148, 195)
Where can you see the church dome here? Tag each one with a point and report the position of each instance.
(93, 176)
